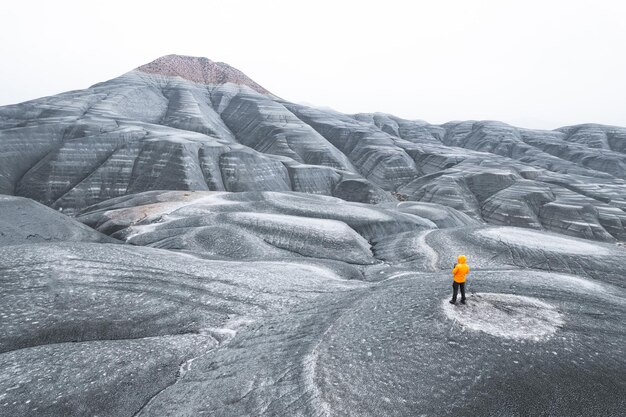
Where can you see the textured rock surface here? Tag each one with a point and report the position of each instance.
(255, 225)
(186, 123)
(199, 70)
(123, 330)
(95, 329)
(256, 281)
(25, 221)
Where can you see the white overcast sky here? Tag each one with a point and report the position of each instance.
(540, 64)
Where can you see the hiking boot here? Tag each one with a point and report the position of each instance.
(462, 301)
(452, 302)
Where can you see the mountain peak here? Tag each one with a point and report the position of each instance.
(199, 70)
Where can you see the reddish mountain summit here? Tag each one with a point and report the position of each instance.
(200, 70)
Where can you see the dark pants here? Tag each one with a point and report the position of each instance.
(455, 290)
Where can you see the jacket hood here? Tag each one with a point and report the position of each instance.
(462, 259)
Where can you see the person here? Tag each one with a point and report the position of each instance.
(461, 269)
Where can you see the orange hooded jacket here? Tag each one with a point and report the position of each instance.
(460, 270)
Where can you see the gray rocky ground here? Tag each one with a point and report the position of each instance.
(230, 253)
(106, 329)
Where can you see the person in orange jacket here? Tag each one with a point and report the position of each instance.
(461, 269)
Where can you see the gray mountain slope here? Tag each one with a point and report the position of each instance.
(184, 123)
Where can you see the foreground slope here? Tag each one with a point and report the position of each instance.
(125, 330)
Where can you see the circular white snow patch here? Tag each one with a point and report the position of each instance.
(541, 240)
(506, 315)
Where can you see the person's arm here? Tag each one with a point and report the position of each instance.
(456, 268)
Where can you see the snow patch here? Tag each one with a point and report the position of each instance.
(165, 211)
(506, 315)
(544, 241)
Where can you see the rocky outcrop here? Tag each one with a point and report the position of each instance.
(26, 221)
(199, 70)
(253, 225)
